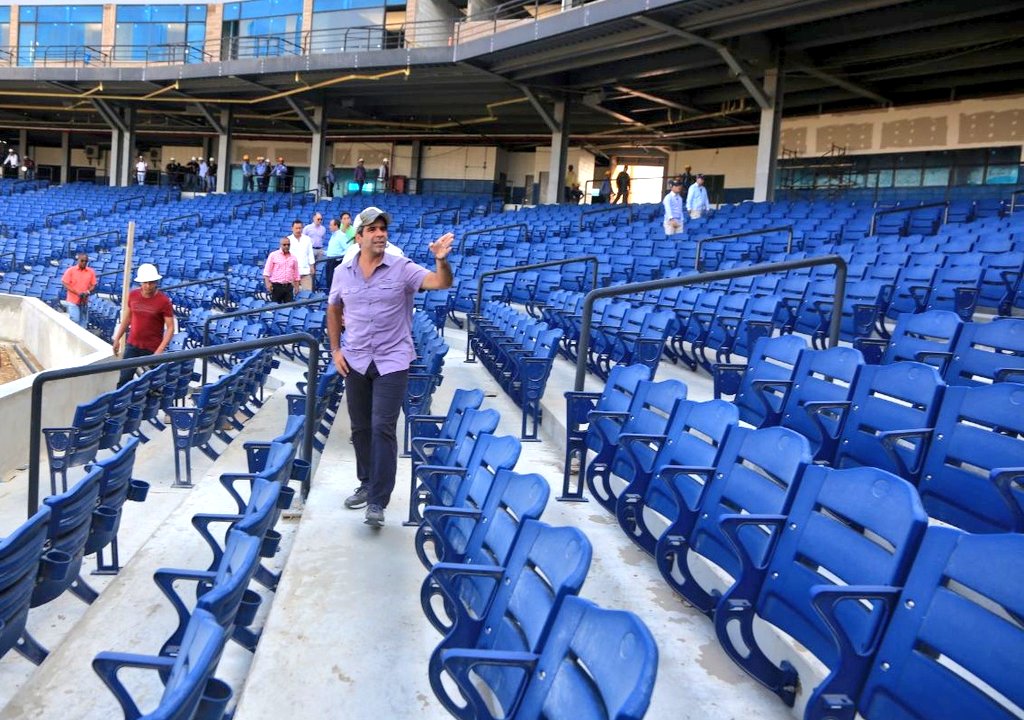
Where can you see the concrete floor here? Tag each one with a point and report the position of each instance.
(344, 635)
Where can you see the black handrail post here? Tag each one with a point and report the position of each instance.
(35, 421)
(906, 209)
(160, 227)
(518, 268)
(700, 278)
(745, 233)
(242, 313)
(14, 256)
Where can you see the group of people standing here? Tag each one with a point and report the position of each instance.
(369, 328)
(197, 175)
(256, 176)
(696, 204)
(12, 165)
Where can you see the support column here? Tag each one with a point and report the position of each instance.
(768, 137)
(415, 168)
(114, 158)
(129, 153)
(318, 157)
(65, 158)
(22, 143)
(559, 152)
(224, 152)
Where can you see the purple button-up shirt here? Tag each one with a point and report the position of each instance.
(378, 312)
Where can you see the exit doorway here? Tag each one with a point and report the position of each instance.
(646, 178)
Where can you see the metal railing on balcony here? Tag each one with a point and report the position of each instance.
(429, 33)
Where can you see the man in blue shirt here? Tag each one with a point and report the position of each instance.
(247, 174)
(262, 171)
(673, 204)
(697, 199)
(281, 176)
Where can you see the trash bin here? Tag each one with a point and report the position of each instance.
(398, 183)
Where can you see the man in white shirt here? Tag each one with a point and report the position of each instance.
(11, 163)
(383, 174)
(673, 204)
(302, 249)
(140, 171)
(697, 199)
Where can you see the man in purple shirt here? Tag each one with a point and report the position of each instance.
(371, 299)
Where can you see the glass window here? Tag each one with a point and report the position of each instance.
(160, 33)
(908, 178)
(969, 175)
(1001, 175)
(347, 30)
(59, 34)
(936, 177)
(259, 28)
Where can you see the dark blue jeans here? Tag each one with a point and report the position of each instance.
(374, 403)
(130, 351)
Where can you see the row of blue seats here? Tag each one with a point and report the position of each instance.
(518, 641)
(519, 352)
(828, 556)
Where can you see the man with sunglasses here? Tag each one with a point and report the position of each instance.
(281, 272)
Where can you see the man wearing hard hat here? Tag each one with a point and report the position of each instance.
(149, 323)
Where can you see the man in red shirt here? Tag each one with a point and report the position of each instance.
(150, 317)
(79, 280)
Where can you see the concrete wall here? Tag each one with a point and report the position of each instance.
(55, 342)
(987, 122)
(736, 163)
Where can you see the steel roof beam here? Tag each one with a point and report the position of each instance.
(741, 73)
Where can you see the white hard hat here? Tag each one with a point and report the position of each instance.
(147, 273)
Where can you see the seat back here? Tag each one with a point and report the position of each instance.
(489, 454)
(195, 664)
(854, 527)
(973, 463)
(224, 594)
(757, 473)
(926, 337)
(595, 664)
(546, 565)
(693, 438)
(988, 352)
(71, 516)
(20, 553)
(820, 376)
(931, 665)
(903, 396)
(773, 359)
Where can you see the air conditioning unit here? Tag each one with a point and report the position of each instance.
(91, 151)
(154, 154)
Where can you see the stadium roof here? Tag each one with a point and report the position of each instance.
(655, 72)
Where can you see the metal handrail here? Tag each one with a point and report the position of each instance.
(35, 422)
(165, 221)
(745, 233)
(13, 254)
(67, 243)
(462, 240)
(608, 209)
(439, 211)
(907, 209)
(258, 201)
(249, 311)
(518, 268)
(701, 278)
(1013, 199)
(48, 218)
(226, 279)
(127, 201)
